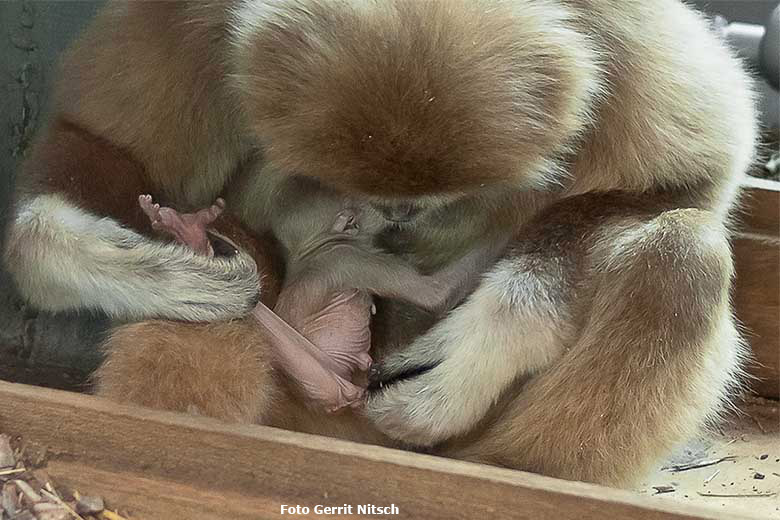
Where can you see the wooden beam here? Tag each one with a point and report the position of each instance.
(760, 208)
(169, 466)
(757, 286)
(757, 305)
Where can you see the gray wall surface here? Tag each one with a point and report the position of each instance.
(36, 347)
(746, 11)
(58, 350)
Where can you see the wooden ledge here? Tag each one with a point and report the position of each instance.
(760, 213)
(757, 285)
(163, 465)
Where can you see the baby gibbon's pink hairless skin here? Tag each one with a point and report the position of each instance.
(321, 356)
(314, 346)
(187, 228)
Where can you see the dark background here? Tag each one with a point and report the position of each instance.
(59, 350)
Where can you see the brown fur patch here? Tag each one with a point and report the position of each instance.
(69, 160)
(221, 370)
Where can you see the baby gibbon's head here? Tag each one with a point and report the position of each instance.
(401, 100)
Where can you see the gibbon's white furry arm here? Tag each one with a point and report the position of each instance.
(66, 258)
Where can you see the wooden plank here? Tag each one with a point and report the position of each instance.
(150, 498)
(757, 304)
(760, 211)
(757, 286)
(176, 464)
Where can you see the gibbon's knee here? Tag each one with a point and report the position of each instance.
(682, 254)
(656, 359)
(221, 370)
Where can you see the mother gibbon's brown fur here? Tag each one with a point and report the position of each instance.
(603, 139)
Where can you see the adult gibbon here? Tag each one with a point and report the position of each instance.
(602, 140)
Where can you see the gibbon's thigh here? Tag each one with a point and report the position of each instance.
(650, 351)
(222, 370)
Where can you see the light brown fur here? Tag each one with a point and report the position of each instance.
(238, 385)
(605, 138)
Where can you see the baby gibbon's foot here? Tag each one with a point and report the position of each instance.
(187, 228)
